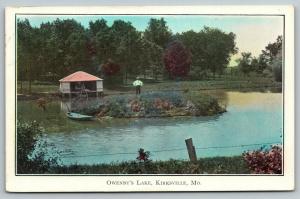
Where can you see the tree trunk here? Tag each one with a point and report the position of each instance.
(126, 75)
(21, 82)
(29, 79)
(29, 86)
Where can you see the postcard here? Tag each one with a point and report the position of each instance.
(149, 98)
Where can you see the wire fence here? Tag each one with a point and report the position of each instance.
(174, 149)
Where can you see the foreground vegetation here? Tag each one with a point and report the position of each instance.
(216, 165)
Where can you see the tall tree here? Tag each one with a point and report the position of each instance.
(245, 63)
(211, 49)
(272, 50)
(219, 47)
(158, 32)
(125, 41)
(28, 52)
(101, 42)
(150, 58)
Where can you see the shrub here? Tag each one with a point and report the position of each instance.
(150, 109)
(203, 104)
(143, 155)
(267, 161)
(33, 155)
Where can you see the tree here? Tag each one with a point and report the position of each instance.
(211, 49)
(219, 47)
(68, 41)
(177, 59)
(28, 52)
(126, 40)
(272, 50)
(150, 58)
(254, 64)
(245, 63)
(262, 64)
(277, 66)
(61, 47)
(272, 55)
(33, 153)
(158, 32)
(101, 42)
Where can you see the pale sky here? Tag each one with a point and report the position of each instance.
(253, 33)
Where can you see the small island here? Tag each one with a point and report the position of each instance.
(153, 104)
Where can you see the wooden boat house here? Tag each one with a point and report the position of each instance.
(81, 82)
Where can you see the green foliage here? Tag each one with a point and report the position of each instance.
(211, 49)
(262, 64)
(272, 50)
(117, 106)
(61, 47)
(158, 32)
(58, 48)
(152, 104)
(268, 62)
(196, 73)
(216, 165)
(245, 63)
(33, 155)
(276, 65)
(202, 104)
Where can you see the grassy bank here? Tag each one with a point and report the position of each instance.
(216, 165)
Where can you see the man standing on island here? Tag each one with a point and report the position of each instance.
(138, 84)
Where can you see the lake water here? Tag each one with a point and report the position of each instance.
(251, 118)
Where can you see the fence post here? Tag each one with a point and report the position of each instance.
(191, 150)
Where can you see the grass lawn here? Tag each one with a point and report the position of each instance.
(234, 83)
(219, 83)
(37, 87)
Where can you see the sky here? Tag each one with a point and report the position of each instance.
(253, 33)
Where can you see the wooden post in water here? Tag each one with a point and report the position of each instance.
(191, 150)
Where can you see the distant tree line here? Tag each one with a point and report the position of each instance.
(268, 63)
(58, 48)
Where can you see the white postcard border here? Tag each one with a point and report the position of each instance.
(101, 183)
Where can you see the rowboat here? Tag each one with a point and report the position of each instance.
(80, 117)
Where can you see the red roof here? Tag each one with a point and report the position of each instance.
(80, 76)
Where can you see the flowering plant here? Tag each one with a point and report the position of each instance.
(143, 155)
(265, 161)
